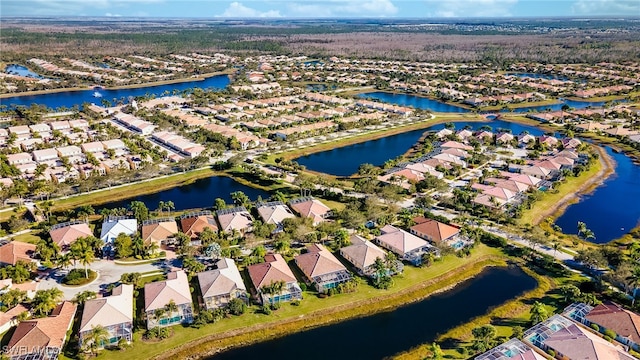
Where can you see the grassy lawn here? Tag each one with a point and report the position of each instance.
(550, 201)
(414, 284)
(32, 237)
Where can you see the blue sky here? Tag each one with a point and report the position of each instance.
(319, 9)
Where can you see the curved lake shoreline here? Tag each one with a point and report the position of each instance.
(396, 297)
(442, 310)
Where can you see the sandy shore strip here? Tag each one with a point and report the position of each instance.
(608, 166)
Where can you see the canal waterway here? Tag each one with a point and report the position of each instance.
(199, 194)
(72, 98)
(384, 334)
(613, 208)
(344, 161)
(424, 103)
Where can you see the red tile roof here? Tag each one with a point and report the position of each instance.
(50, 332)
(14, 251)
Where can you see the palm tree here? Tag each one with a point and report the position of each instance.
(556, 246)
(169, 205)
(161, 205)
(158, 314)
(97, 337)
(538, 313)
(436, 352)
(64, 261)
(634, 280)
(86, 258)
(171, 307)
(581, 227)
(46, 300)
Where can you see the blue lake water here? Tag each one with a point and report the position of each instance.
(22, 71)
(344, 161)
(199, 194)
(382, 335)
(417, 102)
(613, 209)
(540, 76)
(424, 103)
(71, 98)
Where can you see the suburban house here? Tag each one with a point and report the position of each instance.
(274, 213)
(433, 230)
(194, 223)
(362, 254)
(114, 226)
(513, 349)
(221, 285)
(14, 251)
(321, 268)
(576, 342)
(64, 234)
(159, 231)
(237, 218)
(114, 313)
(9, 319)
(310, 207)
(43, 338)
(274, 269)
(407, 246)
(158, 295)
(609, 316)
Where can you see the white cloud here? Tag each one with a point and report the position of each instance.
(606, 7)
(112, 15)
(343, 8)
(469, 8)
(237, 10)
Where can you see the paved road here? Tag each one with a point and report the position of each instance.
(108, 272)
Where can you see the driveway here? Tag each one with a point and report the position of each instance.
(108, 272)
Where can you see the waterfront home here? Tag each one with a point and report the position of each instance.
(114, 226)
(312, 208)
(14, 251)
(323, 270)
(159, 297)
(192, 224)
(274, 213)
(425, 169)
(456, 145)
(609, 316)
(489, 201)
(576, 342)
(362, 254)
(43, 338)
(9, 318)
(513, 349)
(222, 285)
(433, 230)
(114, 313)
(64, 234)
(159, 231)
(407, 246)
(274, 270)
(237, 218)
